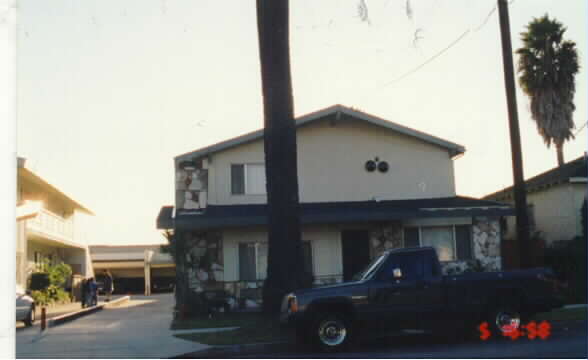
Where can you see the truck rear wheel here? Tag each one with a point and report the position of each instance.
(505, 319)
(331, 332)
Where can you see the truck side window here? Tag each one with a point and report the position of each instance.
(412, 266)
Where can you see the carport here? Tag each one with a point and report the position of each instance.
(135, 268)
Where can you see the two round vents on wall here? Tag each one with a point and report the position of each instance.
(372, 165)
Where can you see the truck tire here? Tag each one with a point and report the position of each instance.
(503, 318)
(331, 332)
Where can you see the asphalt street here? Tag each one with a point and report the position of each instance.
(568, 340)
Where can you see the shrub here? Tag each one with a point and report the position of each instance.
(568, 261)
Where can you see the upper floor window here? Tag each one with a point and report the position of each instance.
(248, 179)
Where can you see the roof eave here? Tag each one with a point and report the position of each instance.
(453, 148)
(28, 173)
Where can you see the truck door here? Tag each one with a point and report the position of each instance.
(396, 300)
(431, 300)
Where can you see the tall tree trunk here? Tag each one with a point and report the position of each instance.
(285, 265)
(560, 155)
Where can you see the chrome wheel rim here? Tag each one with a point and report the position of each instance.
(508, 321)
(332, 332)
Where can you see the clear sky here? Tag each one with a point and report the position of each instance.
(109, 91)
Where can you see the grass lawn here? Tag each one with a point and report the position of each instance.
(562, 315)
(253, 328)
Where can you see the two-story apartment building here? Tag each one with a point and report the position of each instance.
(50, 227)
(366, 185)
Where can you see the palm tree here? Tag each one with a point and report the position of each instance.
(547, 68)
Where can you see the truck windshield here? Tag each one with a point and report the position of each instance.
(369, 270)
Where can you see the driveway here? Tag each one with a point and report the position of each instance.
(137, 329)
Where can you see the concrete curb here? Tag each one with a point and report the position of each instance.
(205, 330)
(77, 314)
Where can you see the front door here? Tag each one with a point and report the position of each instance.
(356, 252)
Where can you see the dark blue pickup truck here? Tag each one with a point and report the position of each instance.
(405, 290)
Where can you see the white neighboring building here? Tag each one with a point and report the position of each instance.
(555, 199)
(50, 226)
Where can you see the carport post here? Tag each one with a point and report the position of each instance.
(147, 262)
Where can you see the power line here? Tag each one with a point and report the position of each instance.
(580, 129)
(478, 28)
(429, 60)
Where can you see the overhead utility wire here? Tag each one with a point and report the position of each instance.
(580, 129)
(428, 61)
(478, 28)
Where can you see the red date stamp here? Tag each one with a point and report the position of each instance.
(531, 331)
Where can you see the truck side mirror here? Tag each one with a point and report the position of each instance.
(397, 273)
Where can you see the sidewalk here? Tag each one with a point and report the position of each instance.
(54, 311)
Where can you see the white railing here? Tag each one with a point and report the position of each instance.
(52, 225)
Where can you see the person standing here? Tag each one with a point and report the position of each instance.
(92, 292)
(84, 288)
(108, 284)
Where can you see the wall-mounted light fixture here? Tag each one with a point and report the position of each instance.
(383, 166)
(372, 165)
(188, 165)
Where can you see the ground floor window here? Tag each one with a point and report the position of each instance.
(451, 242)
(253, 260)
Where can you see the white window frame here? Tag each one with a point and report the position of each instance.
(245, 166)
(258, 270)
(419, 227)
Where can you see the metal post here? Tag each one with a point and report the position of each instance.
(43, 318)
(520, 197)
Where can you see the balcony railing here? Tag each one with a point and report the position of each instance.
(52, 226)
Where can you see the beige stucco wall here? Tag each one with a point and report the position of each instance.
(325, 244)
(557, 212)
(331, 166)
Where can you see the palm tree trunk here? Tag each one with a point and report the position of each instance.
(284, 265)
(560, 155)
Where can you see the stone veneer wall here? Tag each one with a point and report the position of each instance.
(486, 239)
(389, 236)
(204, 260)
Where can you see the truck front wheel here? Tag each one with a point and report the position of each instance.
(332, 331)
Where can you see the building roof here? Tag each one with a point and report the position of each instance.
(336, 111)
(224, 216)
(30, 175)
(563, 174)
